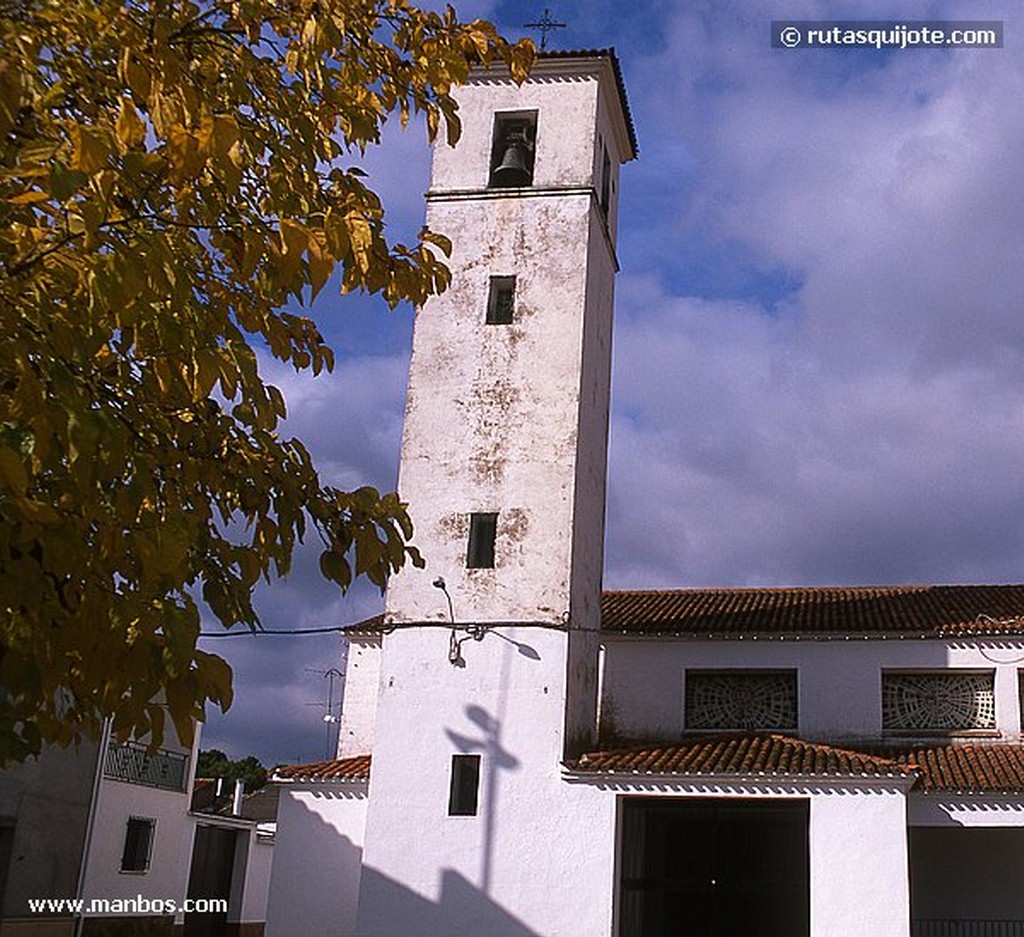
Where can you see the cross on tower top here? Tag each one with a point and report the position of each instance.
(545, 24)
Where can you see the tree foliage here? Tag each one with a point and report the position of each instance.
(174, 174)
(213, 763)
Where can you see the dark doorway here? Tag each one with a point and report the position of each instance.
(213, 859)
(713, 868)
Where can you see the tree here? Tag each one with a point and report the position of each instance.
(173, 173)
(213, 763)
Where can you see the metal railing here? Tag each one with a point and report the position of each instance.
(130, 762)
(945, 927)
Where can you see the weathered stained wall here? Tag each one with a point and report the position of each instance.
(359, 697)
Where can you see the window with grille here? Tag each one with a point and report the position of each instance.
(949, 701)
(138, 844)
(741, 699)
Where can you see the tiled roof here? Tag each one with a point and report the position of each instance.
(952, 767)
(356, 768)
(771, 755)
(962, 768)
(889, 611)
(820, 611)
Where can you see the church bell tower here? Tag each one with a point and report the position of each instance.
(489, 658)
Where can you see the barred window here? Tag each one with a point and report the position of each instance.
(138, 844)
(943, 702)
(738, 699)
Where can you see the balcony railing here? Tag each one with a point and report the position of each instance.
(942, 927)
(129, 762)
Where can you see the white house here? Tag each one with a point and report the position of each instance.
(523, 754)
(102, 840)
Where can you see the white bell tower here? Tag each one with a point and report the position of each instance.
(503, 466)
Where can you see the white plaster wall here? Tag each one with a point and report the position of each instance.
(839, 682)
(48, 799)
(359, 701)
(314, 880)
(167, 877)
(551, 864)
(257, 879)
(966, 810)
(859, 865)
(573, 100)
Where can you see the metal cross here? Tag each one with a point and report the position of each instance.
(545, 24)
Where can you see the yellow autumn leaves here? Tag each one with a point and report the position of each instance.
(176, 179)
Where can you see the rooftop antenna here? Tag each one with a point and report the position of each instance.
(545, 24)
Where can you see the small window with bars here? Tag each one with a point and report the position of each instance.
(938, 702)
(138, 844)
(483, 529)
(734, 700)
(501, 300)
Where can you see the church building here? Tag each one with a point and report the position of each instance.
(522, 753)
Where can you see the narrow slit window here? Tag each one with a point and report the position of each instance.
(606, 180)
(483, 529)
(465, 789)
(512, 150)
(501, 300)
(138, 844)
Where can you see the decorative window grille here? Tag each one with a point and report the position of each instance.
(938, 702)
(741, 699)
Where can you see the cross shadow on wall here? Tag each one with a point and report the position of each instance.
(495, 758)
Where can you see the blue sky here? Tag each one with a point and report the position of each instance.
(819, 348)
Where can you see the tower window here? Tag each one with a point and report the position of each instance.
(501, 300)
(482, 530)
(606, 179)
(512, 150)
(465, 787)
(138, 844)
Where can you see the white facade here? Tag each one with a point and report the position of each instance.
(839, 682)
(314, 886)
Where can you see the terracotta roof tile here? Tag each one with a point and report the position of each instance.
(356, 768)
(953, 767)
(961, 767)
(869, 611)
(890, 611)
(774, 755)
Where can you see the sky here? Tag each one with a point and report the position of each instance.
(818, 371)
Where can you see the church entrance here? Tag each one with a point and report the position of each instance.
(713, 868)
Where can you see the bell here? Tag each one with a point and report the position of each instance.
(513, 171)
